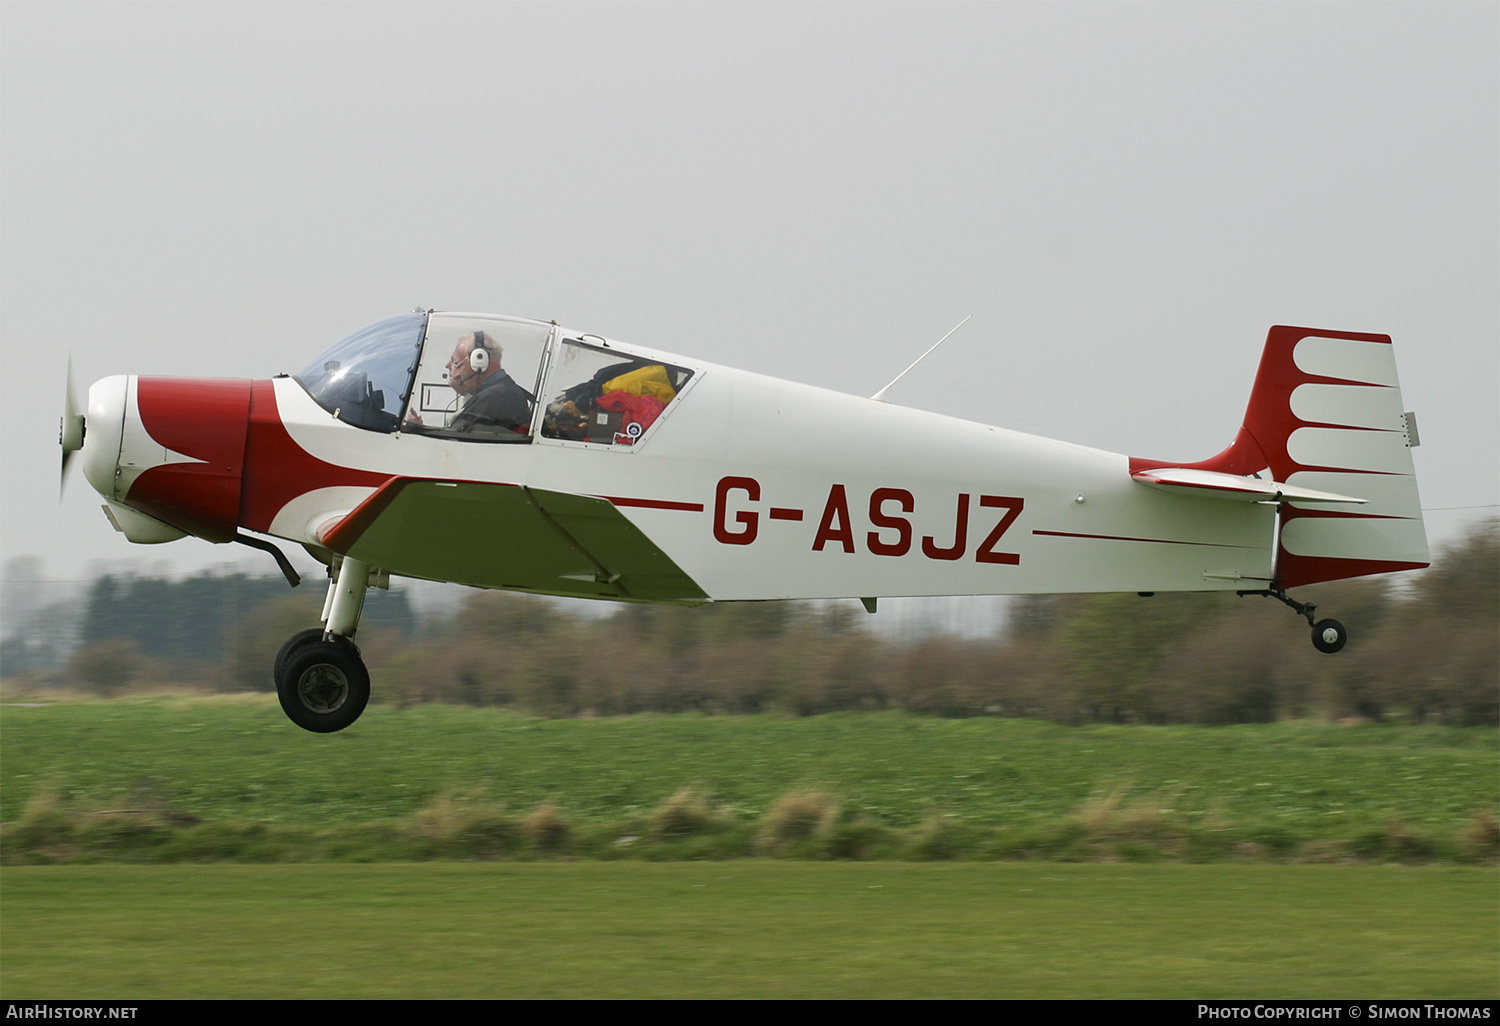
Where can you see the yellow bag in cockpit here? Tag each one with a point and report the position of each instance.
(650, 380)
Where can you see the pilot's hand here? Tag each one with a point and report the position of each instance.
(413, 417)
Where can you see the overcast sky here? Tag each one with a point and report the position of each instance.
(1126, 196)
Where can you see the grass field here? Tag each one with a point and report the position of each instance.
(238, 757)
(200, 779)
(749, 928)
(609, 858)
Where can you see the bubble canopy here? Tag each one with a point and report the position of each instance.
(478, 377)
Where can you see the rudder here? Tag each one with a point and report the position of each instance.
(1326, 413)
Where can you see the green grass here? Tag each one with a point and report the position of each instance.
(214, 779)
(191, 781)
(749, 929)
(239, 758)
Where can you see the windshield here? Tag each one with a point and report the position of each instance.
(365, 379)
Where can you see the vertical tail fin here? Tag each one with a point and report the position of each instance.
(1326, 413)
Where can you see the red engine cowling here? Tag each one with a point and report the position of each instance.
(171, 448)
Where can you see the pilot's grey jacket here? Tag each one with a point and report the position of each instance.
(500, 402)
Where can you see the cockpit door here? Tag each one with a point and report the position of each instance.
(478, 378)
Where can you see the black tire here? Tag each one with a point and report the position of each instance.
(1329, 636)
(293, 643)
(324, 686)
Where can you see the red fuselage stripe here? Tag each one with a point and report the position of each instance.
(1156, 541)
(688, 507)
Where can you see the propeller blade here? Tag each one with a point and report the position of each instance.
(71, 430)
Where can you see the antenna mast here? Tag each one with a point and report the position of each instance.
(880, 396)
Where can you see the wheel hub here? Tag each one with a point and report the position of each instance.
(323, 689)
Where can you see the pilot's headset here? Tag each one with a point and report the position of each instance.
(479, 357)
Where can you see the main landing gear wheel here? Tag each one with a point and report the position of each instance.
(323, 685)
(1329, 636)
(293, 643)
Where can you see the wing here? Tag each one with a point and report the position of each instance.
(508, 536)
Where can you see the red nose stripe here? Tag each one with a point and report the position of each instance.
(277, 469)
(206, 419)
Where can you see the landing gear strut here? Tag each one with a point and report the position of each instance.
(1327, 635)
(320, 678)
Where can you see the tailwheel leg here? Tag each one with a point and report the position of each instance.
(320, 678)
(1327, 635)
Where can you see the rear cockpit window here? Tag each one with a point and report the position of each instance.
(606, 397)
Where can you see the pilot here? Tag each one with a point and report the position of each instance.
(492, 397)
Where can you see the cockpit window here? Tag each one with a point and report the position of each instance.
(366, 378)
(473, 377)
(477, 381)
(606, 397)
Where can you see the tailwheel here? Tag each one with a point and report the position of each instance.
(1329, 636)
(323, 684)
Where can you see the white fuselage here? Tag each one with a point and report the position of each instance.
(765, 489)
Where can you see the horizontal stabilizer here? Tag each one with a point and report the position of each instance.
(1214, 485)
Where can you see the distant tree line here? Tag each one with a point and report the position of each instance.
(214, 632)
(1422, 649)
